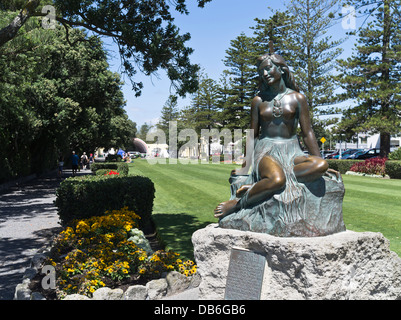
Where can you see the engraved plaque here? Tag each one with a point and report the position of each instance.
(245, 275)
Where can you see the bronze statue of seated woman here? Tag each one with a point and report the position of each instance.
(287, 192)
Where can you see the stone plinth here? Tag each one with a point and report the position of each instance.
(345, 265)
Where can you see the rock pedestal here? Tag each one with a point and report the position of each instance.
(345, 265)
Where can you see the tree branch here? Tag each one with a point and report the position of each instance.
(9, 32)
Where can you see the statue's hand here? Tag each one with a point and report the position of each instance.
(241, 191)
(332, 171)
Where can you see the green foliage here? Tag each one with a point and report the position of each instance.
(201, 114)
(114, 158)
(143, 131)
(169, 113)
(300, 35)
(371, 75)
(241, 85)
(342, 166)
(12, 5)
(54, 98)
(143, 30)
(88, 196)
(395, 155)
(121, 167)
(393, 169)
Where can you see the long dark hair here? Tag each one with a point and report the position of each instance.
(279, 61)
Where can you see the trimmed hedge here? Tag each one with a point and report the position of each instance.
(342, 166)
(114, 158)
(393, 169)
(88, 196)
(121, 167)
(102, 172)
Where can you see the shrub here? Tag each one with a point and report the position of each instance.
(371, 166)
(87, 196)
(97, 252)
(121, 167)
(393, 169)
(114, 158)
(106, 172)
(395, 155)
(342, 166)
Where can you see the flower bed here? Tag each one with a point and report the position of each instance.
(108, 251)
(120, 167)
(374, 166)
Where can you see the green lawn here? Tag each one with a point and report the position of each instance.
(372, 204)
(186, 195)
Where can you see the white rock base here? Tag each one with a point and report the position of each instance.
(346, 265)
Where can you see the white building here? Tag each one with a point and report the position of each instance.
(366, 141)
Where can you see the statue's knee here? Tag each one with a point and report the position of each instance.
(280, 182)
(322, 166)
(275, 182)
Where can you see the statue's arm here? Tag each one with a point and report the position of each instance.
(306, 127)
(255, 116)
(255, 127)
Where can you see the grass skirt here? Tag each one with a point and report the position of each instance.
(295, 210)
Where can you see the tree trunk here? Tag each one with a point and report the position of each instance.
(384, 144)
(9, 32)
(385, 104)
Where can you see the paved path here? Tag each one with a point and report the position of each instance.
(28, 218)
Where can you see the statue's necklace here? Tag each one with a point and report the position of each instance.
(277, 107)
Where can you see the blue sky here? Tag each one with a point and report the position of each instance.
(211, 28)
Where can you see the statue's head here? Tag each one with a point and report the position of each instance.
(280, 67)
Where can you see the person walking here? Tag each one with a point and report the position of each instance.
(74, 162)
(84, 161)
(60, 166)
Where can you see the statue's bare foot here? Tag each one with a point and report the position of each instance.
(225, 208)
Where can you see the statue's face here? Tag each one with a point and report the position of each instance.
(269, 72)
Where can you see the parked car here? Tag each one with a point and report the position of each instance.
(326, 153)
(134, 154)
(366, 154)
(347, 153)
(334, 154)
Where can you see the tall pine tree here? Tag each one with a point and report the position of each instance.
(242, 82)
(371, 77)
(169, 113)
(299, 35)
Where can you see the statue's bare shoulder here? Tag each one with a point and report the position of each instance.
(256, 102)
